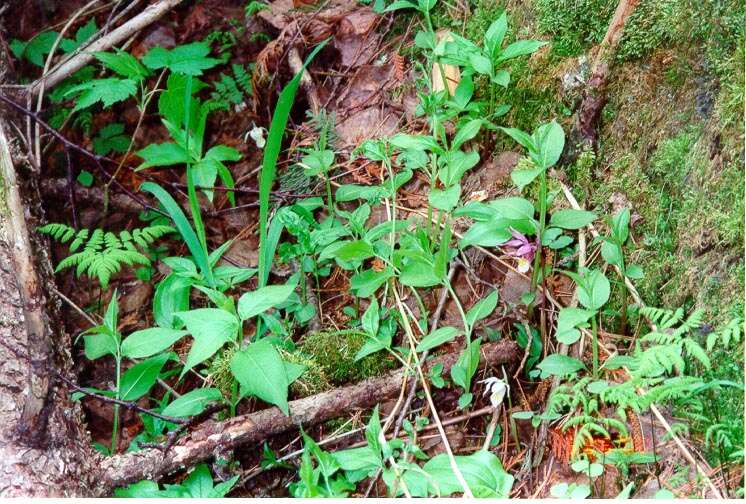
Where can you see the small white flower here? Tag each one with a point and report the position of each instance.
(523, 265)
(497, 389)
(257, 134)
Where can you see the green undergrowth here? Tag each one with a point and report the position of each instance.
(334, 352)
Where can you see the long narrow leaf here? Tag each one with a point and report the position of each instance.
(182, 224)
(199, 226)
(269, 165)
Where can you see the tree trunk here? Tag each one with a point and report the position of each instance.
(44, 447)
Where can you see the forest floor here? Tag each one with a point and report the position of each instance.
(268, 240)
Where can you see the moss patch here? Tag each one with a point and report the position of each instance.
(334, 352)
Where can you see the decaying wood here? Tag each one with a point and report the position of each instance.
(585, 127)
(117, 36)
(44, 448)
(255, 427)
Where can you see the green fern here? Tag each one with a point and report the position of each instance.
(725, 335)
(100, 254)
(233, 89)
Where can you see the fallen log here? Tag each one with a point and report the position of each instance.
(255, 427)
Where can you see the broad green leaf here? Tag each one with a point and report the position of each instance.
(255, 302)
(550, 141)
(124, 64)
(140, 490)
(211, 328)
(481, 64)
(482, 471)
(371, 318)
(620, 225)
(107, 91)
(572, 491)
(400, 4)
(493, 37)
(520, 48)
(260, 371)
(137, 380)
(559, 365)
(634, 272)
(463, 371)
(487, 234)
(501, 78)
(437, 338)
(593, 470)
(358, 250)
(192, 403)
(522, 178)
(171, 296)
(521, 137)
(482, 309)
(163, 154)
(514, 208)
(571, 219)
(367, 282)
(569, 319)
(294, 371)
(612, 253)
(404, 141)
(188, 59)
(445, 199)
(466, 133)
(35, 49)
(101, 343)
(593, 288)
(150, 341)
(357, 459)
(350, 192)
(417, 273)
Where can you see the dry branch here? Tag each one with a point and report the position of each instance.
(256, 427)
(63, 71)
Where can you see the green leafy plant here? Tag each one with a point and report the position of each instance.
(198, 485)
(233, 88)
(100, 254)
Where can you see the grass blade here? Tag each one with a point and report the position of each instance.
(182, 224)
(269, 165)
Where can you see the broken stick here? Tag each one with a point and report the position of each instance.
(69, 67)
(256, 427)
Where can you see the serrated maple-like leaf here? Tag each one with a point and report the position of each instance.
(107, 91)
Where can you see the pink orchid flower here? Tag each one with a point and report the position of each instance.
(523, 249)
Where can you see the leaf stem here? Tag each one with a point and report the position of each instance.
(594, 326)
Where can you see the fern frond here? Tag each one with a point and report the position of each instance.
(731, 332)
(243, 79)
(662, 317)
(104, 252)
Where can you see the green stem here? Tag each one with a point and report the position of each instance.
(115, 423)
(467, 328)
(542, 224)
(594, 325)
(623, 328)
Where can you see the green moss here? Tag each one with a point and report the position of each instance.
(219, 372)
(574, 24)
(313, 380)
(334, 352)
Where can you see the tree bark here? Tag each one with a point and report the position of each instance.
(584, 133)
(44, 447)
